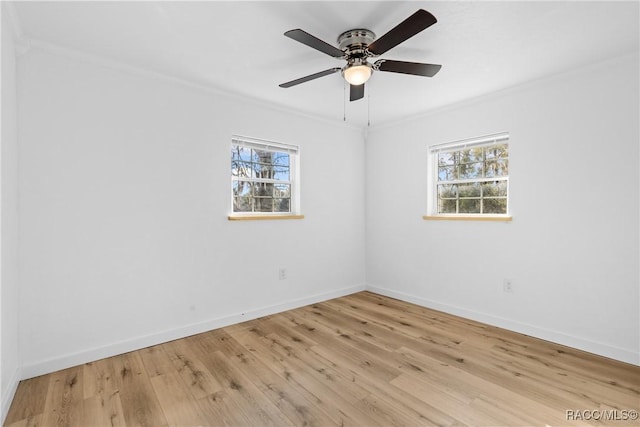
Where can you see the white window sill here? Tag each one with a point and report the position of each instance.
(501, 218)
(262, 217)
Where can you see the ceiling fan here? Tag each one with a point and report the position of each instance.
(356, 46)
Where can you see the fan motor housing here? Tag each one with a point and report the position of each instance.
(356, 40)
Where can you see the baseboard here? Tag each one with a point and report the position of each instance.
(8, 394)
(600, 349)
(74, 359)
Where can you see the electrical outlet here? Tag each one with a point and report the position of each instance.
(507, 286)
(282, 274)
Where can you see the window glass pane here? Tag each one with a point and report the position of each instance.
(282, 190)
(240, 154)
(281, 159)
(447, 173)
(262, 156)
(502, 168)
(494, 189)
(264, 170)
(263, 189)
(470, 170)
(263, 204)
(446, 191)
(281, 173)
(445, 159)
(282, 205)
(469, 190)
(446, 206)
(242, 204)
(491, 169)
(241, 188)
(495, 206)
(469, 206)
(242, 169)
(471, 155)
(496, 168)
(497, 152)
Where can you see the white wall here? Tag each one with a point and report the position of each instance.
(572, 248)
(9, 291)
(124, 184)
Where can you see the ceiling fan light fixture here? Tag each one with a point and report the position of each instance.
(357, 74)
(358, 45)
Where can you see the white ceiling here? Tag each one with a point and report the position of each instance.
(239, 46)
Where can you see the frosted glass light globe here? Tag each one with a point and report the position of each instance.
(357, 74)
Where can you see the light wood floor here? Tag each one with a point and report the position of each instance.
(362, 360)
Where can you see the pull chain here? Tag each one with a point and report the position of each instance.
(344, 101)
(369, 106)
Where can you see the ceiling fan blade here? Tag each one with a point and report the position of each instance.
(414, 68)
(356, 92)
(310, 77)
(314, 42)
(403, 31)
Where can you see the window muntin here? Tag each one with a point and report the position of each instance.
(262, 177)
(471, 177)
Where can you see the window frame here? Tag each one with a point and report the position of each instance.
(433, 178)
(293, 152)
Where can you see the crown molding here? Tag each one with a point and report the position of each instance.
(21, 42)
(9, 9)
(102, 61)
(509, 90)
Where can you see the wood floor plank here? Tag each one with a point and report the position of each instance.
(547, 358)
(255, 406)
(444, 401)
(31, 421)
(457, 382)
(601, 392)
(156, 361)
(403, 328)
(64, 404)
(178, 404)
(292, 404)
(359, 360)
(99, 378)
(101, 405)
(192, 371)
(324, 395)
(140, 404)
(29, 399)
(402, 409)
(104, 409)
(223, 410)
(342, 346)
(391, 407)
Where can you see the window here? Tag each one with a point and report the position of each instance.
(470, 178)
(263, 177)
